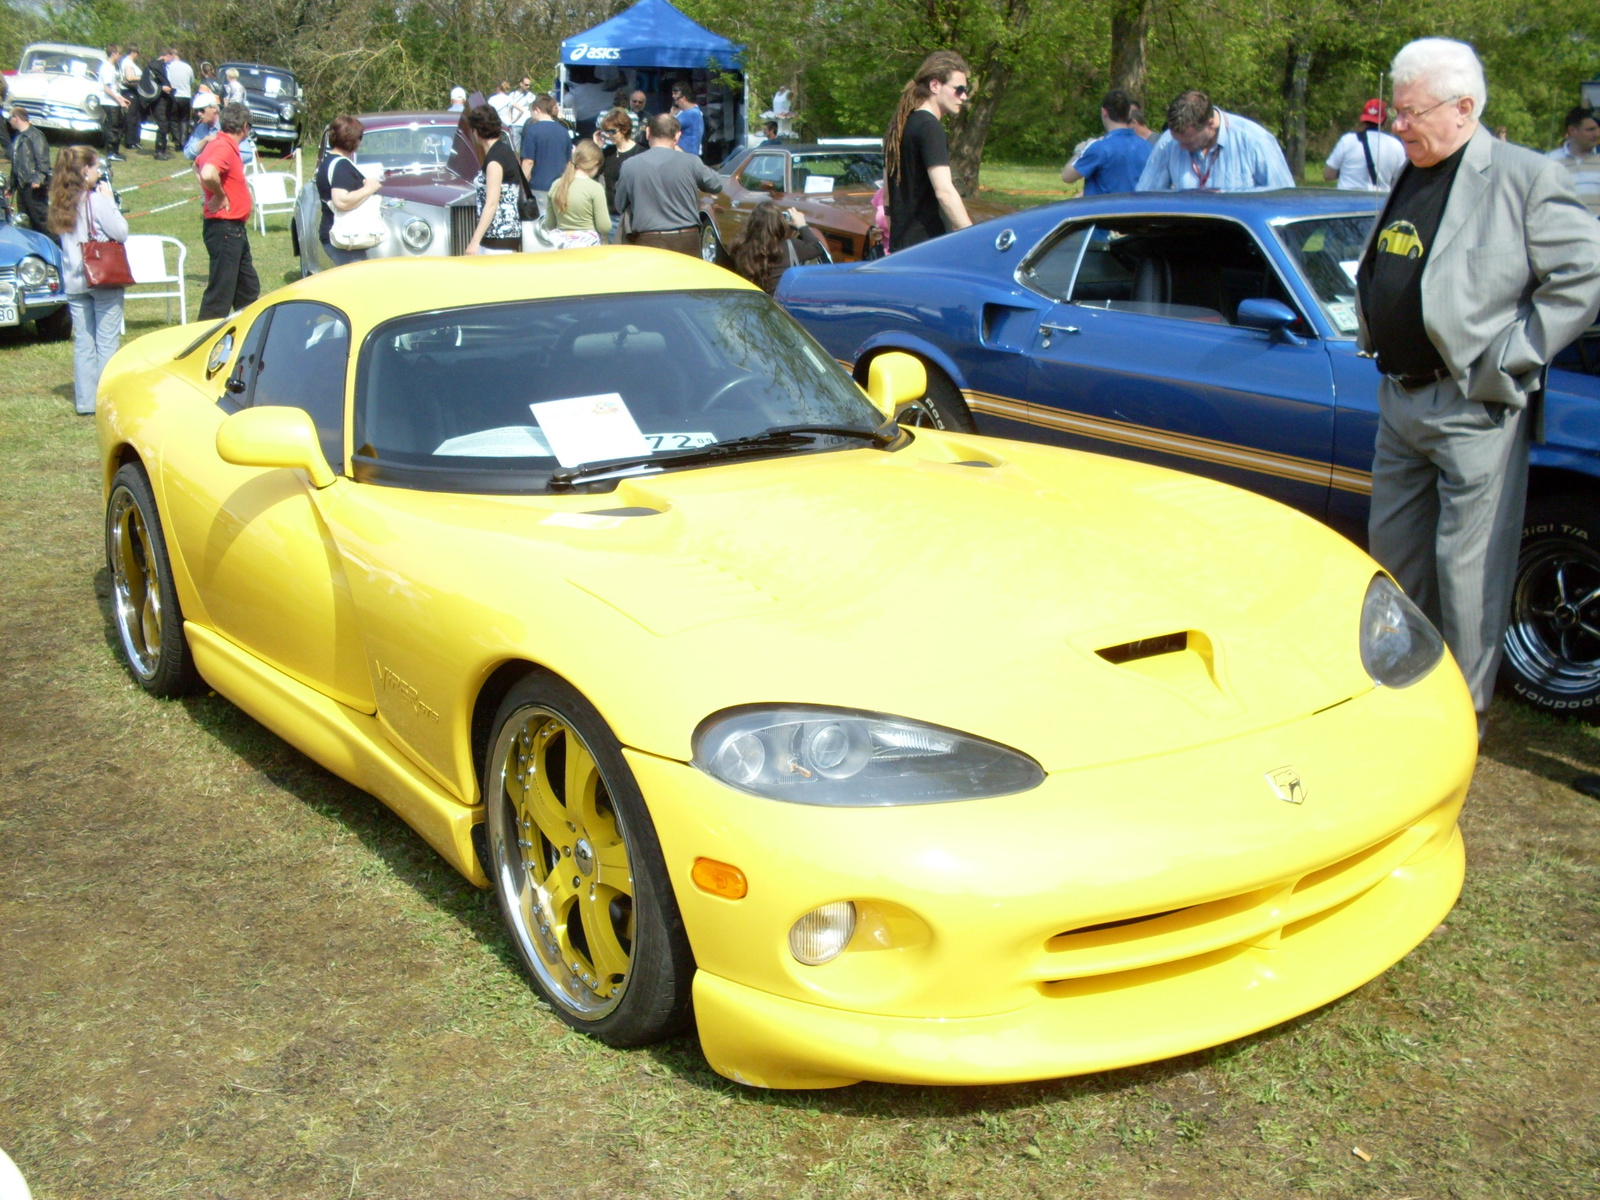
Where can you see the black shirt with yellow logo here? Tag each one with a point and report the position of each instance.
(1390, 277)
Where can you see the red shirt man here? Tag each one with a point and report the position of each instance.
(233, 283)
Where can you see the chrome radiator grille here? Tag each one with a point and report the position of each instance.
(463, 220)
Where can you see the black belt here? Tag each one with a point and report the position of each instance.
(665, 232)
(1413, 382)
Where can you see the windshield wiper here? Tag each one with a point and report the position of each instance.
(772, 441)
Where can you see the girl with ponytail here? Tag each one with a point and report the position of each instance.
(923, 201)
(577, 213)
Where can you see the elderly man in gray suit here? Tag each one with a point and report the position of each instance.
(1482, 265)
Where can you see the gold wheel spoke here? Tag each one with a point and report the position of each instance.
(615, 870)
(559, 892)
(605, 951)
(583, 779)
(539, 803)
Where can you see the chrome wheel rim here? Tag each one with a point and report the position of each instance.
(1554, 635)
(561, 862)
(135, 585)
(708, 244)
(918, 416)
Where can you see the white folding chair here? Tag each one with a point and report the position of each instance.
(147, 259)
(271, 192)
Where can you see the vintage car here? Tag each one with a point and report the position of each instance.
(59, 86)
(30, 280)
(277, 104)
(832, 185)
(428, 201)
(1212, 332)
(890, 754)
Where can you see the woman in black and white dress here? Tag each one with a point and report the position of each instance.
(499, 187)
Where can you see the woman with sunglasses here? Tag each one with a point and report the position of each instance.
(923, 201)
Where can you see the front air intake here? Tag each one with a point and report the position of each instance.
(1150, 647)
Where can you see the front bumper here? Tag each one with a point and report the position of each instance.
(31, 304)
(1111, 916)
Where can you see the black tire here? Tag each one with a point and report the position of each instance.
(57, 326)
(144, 602)
(711, 247)
(1552, 644)
(607, 949)
(941, 407)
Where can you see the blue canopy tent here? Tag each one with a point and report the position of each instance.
(649, 47)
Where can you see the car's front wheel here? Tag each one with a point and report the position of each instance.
(144, 602)
(575, 862)
(941, 407)
(1552, 645)
(711, 247)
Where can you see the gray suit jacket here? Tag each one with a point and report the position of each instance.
(1514, 273)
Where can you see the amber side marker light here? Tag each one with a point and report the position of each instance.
(720, 879)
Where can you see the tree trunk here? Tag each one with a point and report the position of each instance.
(972, 127)
(1130, 22)
(1298, 69)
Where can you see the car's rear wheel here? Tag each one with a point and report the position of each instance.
(711, 246)
(144, 602)
(941, 406)
(578, 870)
(1552, 645)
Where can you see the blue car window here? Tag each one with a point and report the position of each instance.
(1327, 250)
(1050, 270)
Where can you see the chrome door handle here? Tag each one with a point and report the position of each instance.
(1049, 328)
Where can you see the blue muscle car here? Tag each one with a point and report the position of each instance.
(1214, 333)
(30, 280)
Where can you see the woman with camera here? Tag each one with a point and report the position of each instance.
(774, 240)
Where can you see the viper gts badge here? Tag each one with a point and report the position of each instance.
(1286, 785)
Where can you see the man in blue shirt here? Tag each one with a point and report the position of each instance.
(1205, 147)
(546, 146)
(1112, 163)
(689, 117)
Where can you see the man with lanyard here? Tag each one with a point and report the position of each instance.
(181, 76)
(1579, 155)
(30, 171)
(1205, 147)
(1480, 268)
(690, 119)
(1366, 159)
(232, 283)
(112, 102)
(1112, 163)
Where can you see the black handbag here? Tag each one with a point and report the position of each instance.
(527, 202)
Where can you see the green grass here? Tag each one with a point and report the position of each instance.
(1024, 185)
(225, 973)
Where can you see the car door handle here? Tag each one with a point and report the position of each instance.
(1050, 330)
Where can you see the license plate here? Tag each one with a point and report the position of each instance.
(8, 314)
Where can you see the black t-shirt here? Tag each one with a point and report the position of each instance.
(611, 168)
(336, 171)
(1390, 277)
(914, 214)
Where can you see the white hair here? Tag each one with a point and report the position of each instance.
(1447, 69)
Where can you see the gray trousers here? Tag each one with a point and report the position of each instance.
(1448, 485)
(96, 334)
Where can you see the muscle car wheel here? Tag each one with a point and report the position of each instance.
(941, 407)
(578, 870)
(711, 246)
(1552, 644)
(144, 603)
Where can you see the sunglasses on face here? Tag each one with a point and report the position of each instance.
(960, 90)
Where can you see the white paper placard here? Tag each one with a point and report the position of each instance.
(587, 429)
(819, 185)
(271, 85)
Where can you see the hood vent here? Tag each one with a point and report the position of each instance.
(1150, 647)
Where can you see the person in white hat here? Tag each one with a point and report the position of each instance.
(458, 100)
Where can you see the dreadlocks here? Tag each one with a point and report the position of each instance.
(940, 65)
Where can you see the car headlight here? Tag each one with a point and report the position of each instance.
(286, 111)
(32, 271)
(846, 759)
(1398, 644)
(91, 105)
(417, 235)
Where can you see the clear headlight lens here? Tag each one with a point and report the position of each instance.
(417, 235)
(32, 271)
(848, 759)
(822, 934)
(286, 111)
(91, 105)
(1398, 644)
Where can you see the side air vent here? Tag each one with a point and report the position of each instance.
(1150, 647)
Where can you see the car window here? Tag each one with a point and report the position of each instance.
(416, 144)
(763, 173)
(848, 172)
(1189, 269)
(236, 389)
(1050, 269)
(302, 365)
(61, 62)
(272, 84)
(1327, 250)
(457, 400)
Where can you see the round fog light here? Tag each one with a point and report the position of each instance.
(822, 934)
(418, 235)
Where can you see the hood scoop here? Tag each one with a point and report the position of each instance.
(1184, 663)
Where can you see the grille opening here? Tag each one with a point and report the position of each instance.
(1150, 647)
(1121, 923)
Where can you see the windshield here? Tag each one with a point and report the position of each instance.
(60, 62)
(255, 79)
(416, 144)
(1328, 250)
(495, 398)
(838, 172)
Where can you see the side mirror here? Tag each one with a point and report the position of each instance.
(1274, 316)
(274, 436)
(895, 380)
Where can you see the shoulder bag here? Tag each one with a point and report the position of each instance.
(536, 239)
(358, 228)
(105, 262)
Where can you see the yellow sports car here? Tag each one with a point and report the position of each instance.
(886, 754)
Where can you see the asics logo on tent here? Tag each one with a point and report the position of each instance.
(580, 52)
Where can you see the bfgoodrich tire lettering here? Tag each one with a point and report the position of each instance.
(144, 603)
(1552, 644)
(575, 862)
(941, 407)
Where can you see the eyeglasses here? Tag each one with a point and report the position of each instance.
(1409, 115)
(960, 90)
